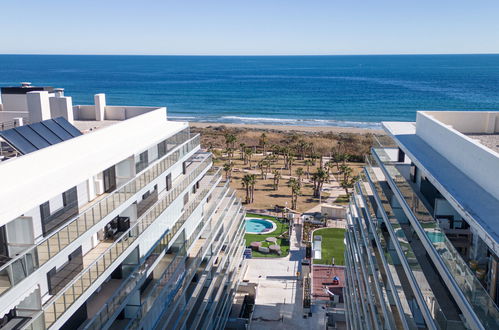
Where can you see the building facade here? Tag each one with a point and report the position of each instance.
(126, 225)
(423, 226)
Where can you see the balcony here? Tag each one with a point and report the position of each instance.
(108, 257)
(197, 258)
(17, 269)
(478, 306)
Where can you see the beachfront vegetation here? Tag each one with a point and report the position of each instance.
(257, 163)
(333, 246)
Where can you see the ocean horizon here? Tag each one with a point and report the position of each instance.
(340, 90)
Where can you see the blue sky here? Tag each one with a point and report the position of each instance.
(237, 27)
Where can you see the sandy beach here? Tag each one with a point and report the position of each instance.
(289, 128)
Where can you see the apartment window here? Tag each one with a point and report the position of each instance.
(70, 197)
(58, 279)
(162, 148)
(45, 210)
(184, 167)
(169, 182)
(60, 216)
(186, 199)
(143, 162)
(109, 179)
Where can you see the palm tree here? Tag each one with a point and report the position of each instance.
(248, 181)
(277, 177)
(319, 177)
(301, 147)
(230, 153)
(230, 140)
(286, 152)
(291, 160)
(252, 186)
(309, 163)
(242, 146)
(263, 142)
(248, 152)
(262, 165)
(299, 173)
(245, 181)
(228, 170)
(295, 192)
(347, 180)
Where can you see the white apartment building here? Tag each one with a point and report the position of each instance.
(111, 217)
(423, 238)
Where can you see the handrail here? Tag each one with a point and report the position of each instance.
(31, 259)
(74, 289)
(127, 286)
(196, 260)
(486, 312)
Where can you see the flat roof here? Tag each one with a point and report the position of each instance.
(32, 179)
(490, 141)
(474, 203)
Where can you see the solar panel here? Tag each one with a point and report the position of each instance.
(17, 141)
(57, 130)
(46, 133)
(34, 138)
(67, 126)
(29, 138)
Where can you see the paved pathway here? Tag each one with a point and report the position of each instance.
(279, 295)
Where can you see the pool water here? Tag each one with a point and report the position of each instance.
(258, 225)
(435, 237)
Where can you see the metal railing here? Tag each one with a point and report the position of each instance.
(19, 268)
(168, 292)
(58, 305)
(115, 302)
(479, 300)
(147, 302)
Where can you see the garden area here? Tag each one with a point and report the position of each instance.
(279, 237)
(333, 245)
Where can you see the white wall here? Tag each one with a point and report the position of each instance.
(82, 193)
(14, 102)
(476, 161)
(467, 121)
(56, 203)
(32, 179)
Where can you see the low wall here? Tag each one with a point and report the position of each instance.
(470, 156)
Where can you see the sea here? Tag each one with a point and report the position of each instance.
(348, 91)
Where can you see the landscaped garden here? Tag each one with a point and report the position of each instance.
(281, 235)
(333, 245)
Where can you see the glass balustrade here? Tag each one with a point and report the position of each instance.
(138, 275)
(25, 264)
(474, 292)
(57, 305)
(166, 287)
(427, 301)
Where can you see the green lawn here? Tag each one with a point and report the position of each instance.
(342, 199)
(281, 228)
(332, 246)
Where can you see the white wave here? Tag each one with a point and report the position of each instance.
(295, 122)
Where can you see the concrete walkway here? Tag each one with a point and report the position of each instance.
(279, 295)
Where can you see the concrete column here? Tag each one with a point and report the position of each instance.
(490, 124)
(100, 106)
(62, 106)
(38, 106)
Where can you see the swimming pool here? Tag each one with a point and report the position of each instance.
(259, 226)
